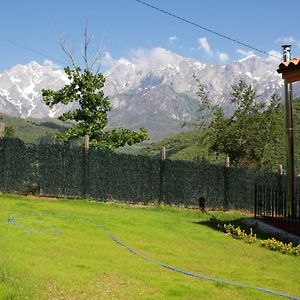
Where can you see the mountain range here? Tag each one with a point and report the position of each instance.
(157, 91)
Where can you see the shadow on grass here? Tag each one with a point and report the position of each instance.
(218, 225)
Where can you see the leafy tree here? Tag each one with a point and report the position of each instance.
(86, 89)
(252, 128)
(9, 131)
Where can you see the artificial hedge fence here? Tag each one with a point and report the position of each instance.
(60, 170)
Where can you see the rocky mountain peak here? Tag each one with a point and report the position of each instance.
(153, 87)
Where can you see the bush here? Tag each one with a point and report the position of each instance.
(240, 234)
(250, 238)
(284, 248)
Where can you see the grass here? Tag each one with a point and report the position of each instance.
(32, 130)
(82, 262)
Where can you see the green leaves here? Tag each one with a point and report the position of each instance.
(86, 89)
(9, 131)
(253, 126)
(117, 138)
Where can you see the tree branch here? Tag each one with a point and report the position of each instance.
(86, 43)
(66, 49)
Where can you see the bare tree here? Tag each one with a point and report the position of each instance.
(95, 62)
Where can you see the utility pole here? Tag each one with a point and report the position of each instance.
(289, 125)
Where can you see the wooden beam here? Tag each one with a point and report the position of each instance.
(291, 76)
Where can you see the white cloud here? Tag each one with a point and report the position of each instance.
(286, 40)
(173, 39)
(148, 59)
(204, 45)
(223, 57)
(244, 53)
(274, 56)
(51, 64)
(107, 60)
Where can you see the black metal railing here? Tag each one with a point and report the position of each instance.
(271, 206)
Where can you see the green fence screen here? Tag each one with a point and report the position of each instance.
(63, 171)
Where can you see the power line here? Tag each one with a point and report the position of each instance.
(162, 11)
(206, 29)
(31, 50)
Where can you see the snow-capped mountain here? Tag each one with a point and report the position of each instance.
(157, 90)
(20, 89)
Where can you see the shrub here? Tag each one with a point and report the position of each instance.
(240, 234)
(284, 248)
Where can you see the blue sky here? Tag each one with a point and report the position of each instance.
(127, 26)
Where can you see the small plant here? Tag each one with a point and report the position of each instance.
(32, 188)
(284, 248)
(240, 234)
(202, 201)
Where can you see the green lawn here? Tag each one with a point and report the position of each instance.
(82, 262)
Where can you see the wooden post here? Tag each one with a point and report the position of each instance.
(162, 168)
(227, 161)
(226, 182)
(280, 170)
(2, 130)
(163, 153)
(86, 145)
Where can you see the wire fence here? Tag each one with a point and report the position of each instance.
(60, 170)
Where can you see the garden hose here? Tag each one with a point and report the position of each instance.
(194, 274)
(51, 231)
(11, 221)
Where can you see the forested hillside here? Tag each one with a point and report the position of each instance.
(193, 145)
(33, 130)
(190, 145)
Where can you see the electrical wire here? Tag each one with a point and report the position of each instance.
(162, 11)
(206, 29)
(31, 50)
